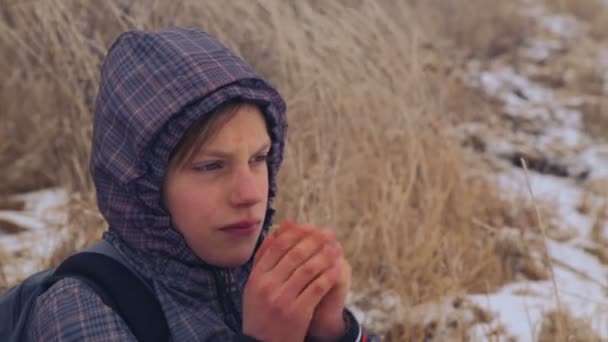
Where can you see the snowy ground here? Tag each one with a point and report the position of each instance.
(554, 130)
(42, 217)
(573, 181)
(579, 281)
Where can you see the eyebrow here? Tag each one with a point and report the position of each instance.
(223, 154)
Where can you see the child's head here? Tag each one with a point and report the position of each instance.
(187, 138)
(218, 176)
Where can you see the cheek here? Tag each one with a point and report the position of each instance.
(193, 203)
(191, 209)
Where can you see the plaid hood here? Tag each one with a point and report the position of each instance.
(154, 85)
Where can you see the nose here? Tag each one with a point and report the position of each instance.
(248, 188)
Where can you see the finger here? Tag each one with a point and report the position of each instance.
(327, 257)
(299, 254)
(345, 274)
(319, 287)
(267, 241)
(279, 246)
(286, 226)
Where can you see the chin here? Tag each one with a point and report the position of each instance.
(234, 260)
(233, 263)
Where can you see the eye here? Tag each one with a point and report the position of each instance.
(208, 167)
(261, 158)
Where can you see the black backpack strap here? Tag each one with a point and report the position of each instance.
(121, 289)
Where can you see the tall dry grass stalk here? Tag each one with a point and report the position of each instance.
(366, 151)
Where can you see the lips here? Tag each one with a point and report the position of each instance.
(241, 225)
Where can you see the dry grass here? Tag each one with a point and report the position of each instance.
(595, 118)
(597, 229)
(594, 12)
(484, 28)
(600, 247)
(366, 152)
(9, 227)
(561, 326)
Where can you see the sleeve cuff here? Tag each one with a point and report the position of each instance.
(353, 329)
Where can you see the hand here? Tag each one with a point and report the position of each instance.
(292, 272)
(327, 323)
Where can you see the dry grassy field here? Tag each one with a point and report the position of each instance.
(371, 93)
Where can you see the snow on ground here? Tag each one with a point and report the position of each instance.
(43, 217)
(579, 280)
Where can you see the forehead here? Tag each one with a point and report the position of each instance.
(246, 125)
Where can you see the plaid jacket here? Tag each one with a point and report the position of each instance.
(154, 85)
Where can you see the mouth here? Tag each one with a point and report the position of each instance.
(242, 227)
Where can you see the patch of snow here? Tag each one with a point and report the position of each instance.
(553, 128)
(588, 271)
(44, 217)
(520, 314)
(522, 97)
(561, 193)
(48, 205)
(29, 249)
(568, 117)
(565, 26)
(597, 158)
(582, 281)
(22, 220)
(388, 309)
(500, 147)
(42, 209)
(561, 136)
(539, 50)
(520, 306)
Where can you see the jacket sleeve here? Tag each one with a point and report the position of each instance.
(70, 311)
(354, 331)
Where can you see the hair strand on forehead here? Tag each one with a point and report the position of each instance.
(202, 131)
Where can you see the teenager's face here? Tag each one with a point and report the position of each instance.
(226, 183)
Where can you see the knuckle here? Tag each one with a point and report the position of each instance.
(279, 246)
(278, 305)
(319, 287)
(296, 254)
(283, 309)
(332, 251)
(266, 289)
(327, 237)
(309, 270)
